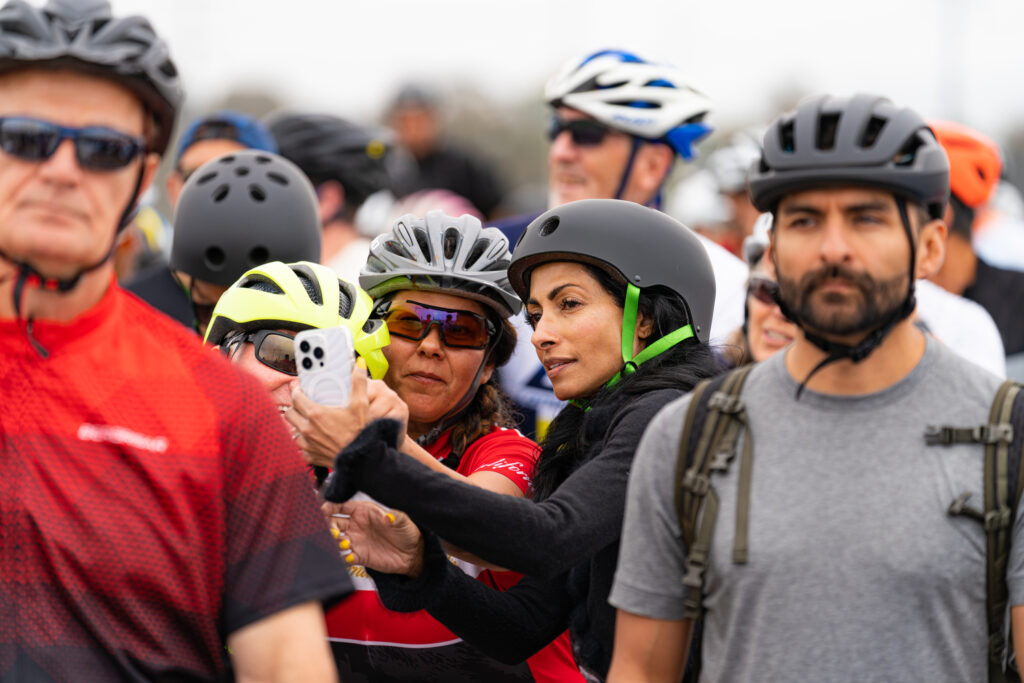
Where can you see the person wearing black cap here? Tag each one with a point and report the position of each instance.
(206, 138)
(845, 487)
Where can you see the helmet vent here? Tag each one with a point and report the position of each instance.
(786, 137)
(451, 243)
(263, 160)
(550, 225)
(206, 177)
(477, 251)
(215, 258)
(278, 178)
(424, 243)
(503, 264)
(221, 192)
(907, 153)
(828, 124)
(344, 301)
(168, 70)
(230, 159)
(311, 289)
(398, 249)
(261, 284)
(241, 171)
(872, 131)
(257, 193)
(258, 255)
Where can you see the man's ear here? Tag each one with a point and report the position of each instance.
(654, 162)
(931, 248)
(331, 197)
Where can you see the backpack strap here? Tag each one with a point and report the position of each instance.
(1002, 489)
(715, 419)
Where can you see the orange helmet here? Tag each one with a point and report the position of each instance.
(974, 163)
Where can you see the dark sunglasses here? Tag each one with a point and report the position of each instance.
(584, 132)
(459, 329)
(96, 148)
(763, 289)
(274, 349)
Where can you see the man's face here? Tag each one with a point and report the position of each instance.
(842, 258)
(192, 158)
(55, 214)
(416, 129)
(589, 171)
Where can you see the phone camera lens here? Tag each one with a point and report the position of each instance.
(318, 352)
(304, 346)
(307, 363)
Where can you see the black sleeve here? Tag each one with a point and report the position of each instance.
(509, 626)
(542, 539)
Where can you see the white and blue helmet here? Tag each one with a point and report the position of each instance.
(632, 95)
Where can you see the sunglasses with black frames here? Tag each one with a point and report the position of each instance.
(273, 348)
(763, 289)
(584, 132)
(97, 148)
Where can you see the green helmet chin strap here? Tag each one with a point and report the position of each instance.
(629, 361)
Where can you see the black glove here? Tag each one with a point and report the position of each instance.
(403, 594)
(373, 441)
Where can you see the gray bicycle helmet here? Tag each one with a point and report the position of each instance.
(862, 140)
(633, 243)
(442, 253)
(242, 210)
(85, 36)
(329, 148)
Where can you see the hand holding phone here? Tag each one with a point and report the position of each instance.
(325, 358)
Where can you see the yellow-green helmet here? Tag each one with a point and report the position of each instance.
(300, 296)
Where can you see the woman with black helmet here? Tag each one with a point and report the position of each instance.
(620, 298)
(440, 286)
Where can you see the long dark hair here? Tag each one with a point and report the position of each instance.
(576, 428)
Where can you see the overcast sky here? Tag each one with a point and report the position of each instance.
(958, 59)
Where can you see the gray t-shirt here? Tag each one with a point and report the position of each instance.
(856, 572)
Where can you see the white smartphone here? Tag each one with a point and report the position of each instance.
(325, 358)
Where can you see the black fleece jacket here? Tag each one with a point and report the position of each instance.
(567, 545)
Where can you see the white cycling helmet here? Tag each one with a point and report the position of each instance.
(442, 253)
(634, 96)
(730, 164)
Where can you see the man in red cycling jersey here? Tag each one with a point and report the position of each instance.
(155, 518)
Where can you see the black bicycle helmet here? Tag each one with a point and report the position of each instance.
(241, 210)
(863, 140)
(85, 36)
(329, 148)
(636, 244)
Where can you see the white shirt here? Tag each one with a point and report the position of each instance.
(962, 325)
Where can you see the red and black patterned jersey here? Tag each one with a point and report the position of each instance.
(151, 502)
